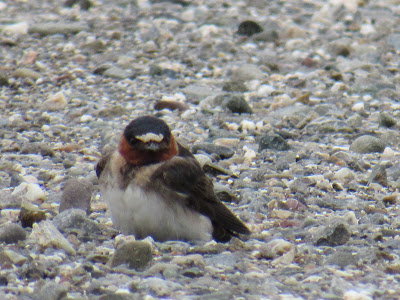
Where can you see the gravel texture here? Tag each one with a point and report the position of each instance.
(292, 107)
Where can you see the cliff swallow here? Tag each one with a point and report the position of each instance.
(154, 187)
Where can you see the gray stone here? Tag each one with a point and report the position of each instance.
(76, 221)
(234, 86)
(136, 255)
(386, 120)
(394, 41)
(275, 142)
(58, 28)
(116, 73)
(77, 194)
(367, 144)
(378, 175)
(37, 148)
(12, 233)
(26, 73)
(333, 236)
(51, 291)
(209, 148)
(196, 93)
(246, 72)
(343, 258)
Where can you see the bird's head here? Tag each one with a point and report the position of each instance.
(147, 140)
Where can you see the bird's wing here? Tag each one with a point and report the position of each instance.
(182, 179)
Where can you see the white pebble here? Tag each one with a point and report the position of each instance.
(344, 175)
(359, 106)
(353, 295)
(55, 102)
(265, 90)
(86, 118)
(202, 159)
(34, 192)
(18, 28)
(248, 125)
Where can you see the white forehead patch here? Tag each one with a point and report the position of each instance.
(150, 137)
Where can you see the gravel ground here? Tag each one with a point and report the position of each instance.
(292, 107)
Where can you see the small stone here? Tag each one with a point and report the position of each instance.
(189, 260)
(77, 193)
(75, 221)
(26, 73)
(379, 175)
(237, 104)
(275, 248)
(196, 93)
(55, 102)
(246, 72)
(367, 144)
(30, 214)
(4, 80)
(136, 255)
(203, 159)
(234, 86)
(209, 148)
(343, 258)
(50, 291)
(333, 236)
(47, 235)
(171, 105)
(249, 28)
(116, 73)
(34, 192)
(58, 28)
(12, 257)
(12, 233)
(386, 120)
(16, 29)
(37, 148)
(275, 142)
(344, 175)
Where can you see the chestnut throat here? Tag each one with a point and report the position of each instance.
(140, 158)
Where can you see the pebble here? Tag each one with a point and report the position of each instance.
(30, 214)
(37, 148)
(12, 257)
(210, 148)
(378, 175)
(344, 175)
(367, 144)
(333, 236)
(136, 255)
(12, 233)
(26, 73)
(47, 235)
(51, 290)
(75, 221)
(55, 102)
(116, 73)
(386, 120)
(249, 28)
(247, 72)
(275, 142)
(58, 28)
(77, 193)
(237, 104)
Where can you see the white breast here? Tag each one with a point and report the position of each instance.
(142, 213)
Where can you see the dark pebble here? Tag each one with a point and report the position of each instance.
(12, 233)
(171, 105)
(209, 148)
(386, 120)
(30, 214)
(275, 142)
(3, 80)
(378, 175)
(77, 194)
(249, 28)
(136, 255)
(334, 236)
(237, 104)
(234, 86)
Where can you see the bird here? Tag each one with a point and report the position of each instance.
(153, 186)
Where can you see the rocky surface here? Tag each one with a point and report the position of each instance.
(292, 107)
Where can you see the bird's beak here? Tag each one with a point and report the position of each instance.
(152, 146)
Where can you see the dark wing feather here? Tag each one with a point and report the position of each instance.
(182, 179)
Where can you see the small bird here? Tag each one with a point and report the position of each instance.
(154, 187)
